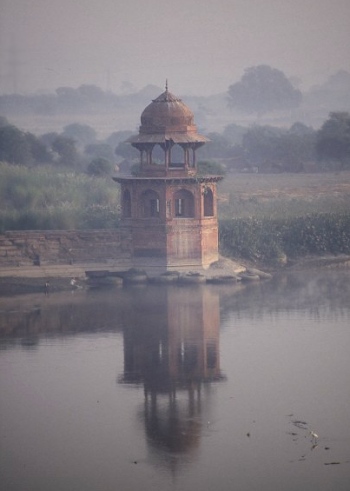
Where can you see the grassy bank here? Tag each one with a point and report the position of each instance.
(284, 195)
(273, 240)
(262, 217)
(44, 198)
(269, 218)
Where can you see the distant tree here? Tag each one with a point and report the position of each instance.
(279, 149)
(118, 137)
(38, 149)
(82, 134)
(17, 147)
(301, 129)
(126, 151)
(217, 147)
(91, 92)
(100, 167)
(333, 139)
(44, 104)
(206, 167)
(259, 143)
(234, 133)
(263, 89)
(333, 95)
(127, 87)
(48, 138)
(66, 92)
(65, 148)
(292, 151)
(86, 98)
(14, 146)
(3, 122)
(69, 99)
(100, 150)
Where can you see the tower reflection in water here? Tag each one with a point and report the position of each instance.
(171, 346)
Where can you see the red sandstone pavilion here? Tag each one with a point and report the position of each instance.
(169, 211)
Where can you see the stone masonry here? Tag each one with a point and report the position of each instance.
(20, 248)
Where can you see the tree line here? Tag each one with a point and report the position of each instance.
(76, 148)
(273, 149)
(256, 148)
(85, 99)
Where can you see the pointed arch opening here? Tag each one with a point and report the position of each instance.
(183, 204)
(126, 204)
(150, 204)
(208, 199)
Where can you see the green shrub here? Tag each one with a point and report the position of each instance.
(44, 198)
(207, 167)
(269, 239)
(99, 216)
(100, 167)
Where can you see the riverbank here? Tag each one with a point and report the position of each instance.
(32, 279)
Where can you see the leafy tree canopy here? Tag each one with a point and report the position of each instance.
(118, 137)
(301, 129)
(100, 150)
(100, 167)
(234, 133)
(206, 167)
(126, 151)
(283, 149)
(91, 92)
(333, 139)
(14, 146)
(218, 146)
(263, 89)
(38, 149)
(3, 121)
(65, 148)
(18, 147)
(83, 134)
(48, 138)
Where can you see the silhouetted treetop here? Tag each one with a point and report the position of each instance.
(263, 89)
(333, 139)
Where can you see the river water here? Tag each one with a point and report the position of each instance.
(178, 388)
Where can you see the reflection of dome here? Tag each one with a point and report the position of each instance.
(174, 426)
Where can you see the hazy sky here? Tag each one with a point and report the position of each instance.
(201, 46)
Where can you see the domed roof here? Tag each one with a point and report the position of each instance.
(167, 118)
(165, 112)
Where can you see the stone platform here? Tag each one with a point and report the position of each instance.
(29, 279)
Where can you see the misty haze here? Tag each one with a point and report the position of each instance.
(174, 245)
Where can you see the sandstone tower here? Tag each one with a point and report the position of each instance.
(170, 211)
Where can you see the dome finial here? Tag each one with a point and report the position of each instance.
(166, 85)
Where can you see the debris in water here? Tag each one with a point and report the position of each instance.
(300, 424)
(314, 436)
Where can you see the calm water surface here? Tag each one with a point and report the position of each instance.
(178, 388)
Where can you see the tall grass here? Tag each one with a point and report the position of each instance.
(270, 218)
(267, 230)
(45, 198)
(283, 207)
(272, 240)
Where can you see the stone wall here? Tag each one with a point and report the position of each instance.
(19, 248)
